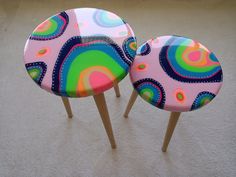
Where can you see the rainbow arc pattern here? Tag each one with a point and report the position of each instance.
(184, 75)
(69, 63)
(51, 28)
(81, 66)
(187, 61)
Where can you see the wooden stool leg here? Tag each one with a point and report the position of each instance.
(170, 129)
(117, 90)
(102, 108)
(132, 99)
(66, 103)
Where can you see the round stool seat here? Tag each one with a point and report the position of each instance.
(176, 73)
(80, 52)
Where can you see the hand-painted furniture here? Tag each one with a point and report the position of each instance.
(176, 74)
(81, 52)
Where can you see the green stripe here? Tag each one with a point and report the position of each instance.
(51, 30)
(184, 65)
(86, 60)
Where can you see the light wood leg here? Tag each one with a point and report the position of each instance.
(117, 90)
(132, 99)
(170, 129)
(67, 106)
(102, 108)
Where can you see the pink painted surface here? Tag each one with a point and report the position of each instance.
(32, 47)
(155, 71)
(47, 46)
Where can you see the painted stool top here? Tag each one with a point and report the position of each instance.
(176, 73)
(80, 52)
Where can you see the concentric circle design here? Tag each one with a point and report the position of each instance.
(81, 68)
(107, 19)
(130, 47)
(176, 73)
(180, 96)
(80, 52)
(141, 67)
(188, 61)
(151, 91)
(42, 52)
(202, 99)
(51, 28)
(36, 71)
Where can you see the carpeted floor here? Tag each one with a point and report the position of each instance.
(37, 139)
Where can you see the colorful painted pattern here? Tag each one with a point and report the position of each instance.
(51, 28)
(80, 52)
(107, 19)
(144, 49)
(187, 61)
(186, 73)
(152, 91)
(36, 71)
(130, 47)
(84, 63)
(202, 99)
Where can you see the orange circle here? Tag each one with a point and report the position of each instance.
(180, 96)
(42, 52)
(141, 67)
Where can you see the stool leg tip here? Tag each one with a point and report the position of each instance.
(163, 149)
(113, 146)
(125, 116)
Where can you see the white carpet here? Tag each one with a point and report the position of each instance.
(37, 139)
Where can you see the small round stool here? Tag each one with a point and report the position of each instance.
(176, 74)
(81, 52)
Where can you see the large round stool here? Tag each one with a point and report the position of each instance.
(176, 74)
(81, 52)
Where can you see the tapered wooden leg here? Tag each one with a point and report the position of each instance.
(67, 106)
(170, 129)
(117, 90)
(102, 108)
(131, 103)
